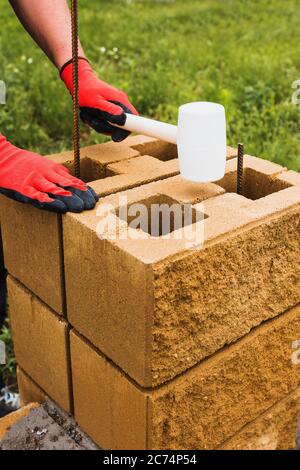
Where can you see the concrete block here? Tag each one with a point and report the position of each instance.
(200, 409)
(33, 250)
(10, 420)
(29, 391)
(155, 306)
(116, 413)
(274, 430)
(32, 238)
(41, 343)
(261, 177)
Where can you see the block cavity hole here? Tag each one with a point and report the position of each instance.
(90, 170)
(158, 149)
(159, 215)
(256, 185)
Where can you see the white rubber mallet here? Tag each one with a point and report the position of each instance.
(200, 137)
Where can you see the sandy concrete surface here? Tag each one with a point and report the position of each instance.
(46, 428)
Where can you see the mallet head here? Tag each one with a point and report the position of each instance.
(201, 140)
(200, 136)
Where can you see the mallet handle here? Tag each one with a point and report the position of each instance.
(151, 128)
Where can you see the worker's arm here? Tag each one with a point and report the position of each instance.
(28, 177)
(49, 23)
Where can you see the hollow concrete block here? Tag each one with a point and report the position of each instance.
(28, 390)
(157, 306)
(41, 343)
(200, 409)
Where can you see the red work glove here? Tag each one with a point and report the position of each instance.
(28, 177)
(101, 105)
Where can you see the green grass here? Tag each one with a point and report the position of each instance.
(244, 54)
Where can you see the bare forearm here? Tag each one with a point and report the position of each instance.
(49, 24)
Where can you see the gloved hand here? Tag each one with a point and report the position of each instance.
(101, 105)
(28, 177)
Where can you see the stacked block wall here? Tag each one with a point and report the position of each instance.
(178, 337)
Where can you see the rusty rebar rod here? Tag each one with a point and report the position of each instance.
(240, 169)
(75, 94)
